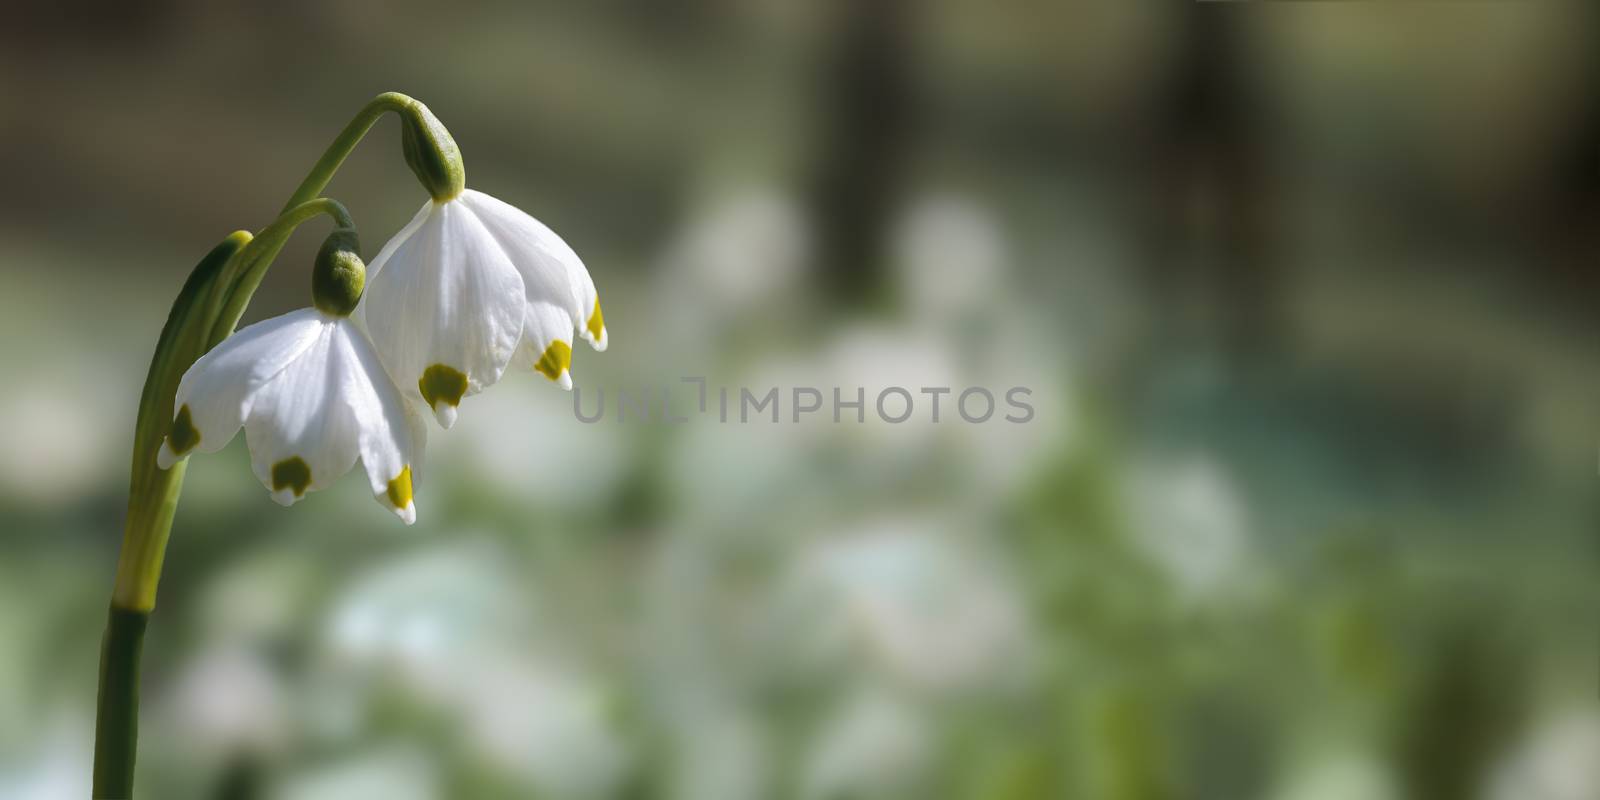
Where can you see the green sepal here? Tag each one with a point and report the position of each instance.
(338, 276)
(152, 491)
(428, 148)
(431, 152)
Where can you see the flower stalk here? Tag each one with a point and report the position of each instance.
(207, 309)
(313, 390)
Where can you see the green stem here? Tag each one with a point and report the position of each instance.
(248, 277)
(346, 142)
(152, 499)
(117, 717)
(250, 266)
(207, 308)
(195, 325)
(153, 492)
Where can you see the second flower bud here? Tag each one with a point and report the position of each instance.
(339, 275)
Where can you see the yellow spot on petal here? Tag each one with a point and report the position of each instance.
(183, 436)
(291, 473)
(399, 491)
(597, 322)
(440, 382)
(557, 357)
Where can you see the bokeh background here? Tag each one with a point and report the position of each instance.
(1306, 293)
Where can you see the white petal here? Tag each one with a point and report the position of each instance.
(218, 389)
(391, 432)
(378, 262)
(444, 414)
(551, 271)
(376, 265)
(546, 343)
(302, 435)
(447, 298)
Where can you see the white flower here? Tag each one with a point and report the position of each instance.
(1190, 520)
(312, 397)
(874, 745)
(400, 771)
(1554, 762)
(1337, 774)
(230, 697)
(908, 602)
(470, 286)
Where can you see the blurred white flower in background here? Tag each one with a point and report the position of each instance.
(875, 358)
(873, 744)
(744, 250)
(951, 257)
(267, 595)
(1001, 456)
(393, 772)
(954, 268)
(1559, 760)
(72, 438)
(1338, 774)
(922, 610)
(695, 649)
(543, 722)
(55, 768)
(559, 462)
(722, 754)
(423, 612)
(461, 627)
(1189, 519)
(726, 473)
(229, 699)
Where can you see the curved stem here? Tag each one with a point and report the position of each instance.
(153, 492)
(194, 326)
(205, 312)
(250, 265)
(345, 142)
(152, 499)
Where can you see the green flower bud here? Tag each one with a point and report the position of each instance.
(339, 275)
(431, 152)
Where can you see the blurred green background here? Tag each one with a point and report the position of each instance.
(1306, 294)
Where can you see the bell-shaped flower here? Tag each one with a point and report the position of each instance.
(312, 396)
(469, 287)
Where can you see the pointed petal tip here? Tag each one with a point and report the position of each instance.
(565, 381)
(408, 515)
(165, 458)
(444, 414)
(284, 497)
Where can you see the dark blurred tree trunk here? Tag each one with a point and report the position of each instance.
(1210, 265)
(867, 120)
(1569, 229)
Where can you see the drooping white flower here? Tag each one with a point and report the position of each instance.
(312, 397)
(469, 287)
